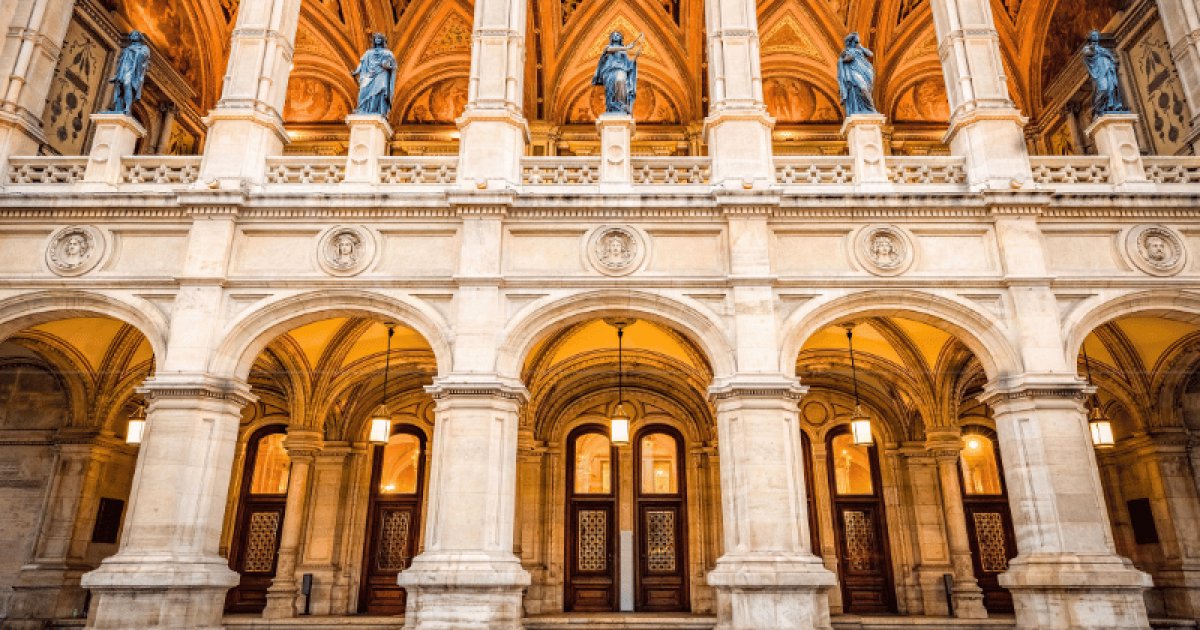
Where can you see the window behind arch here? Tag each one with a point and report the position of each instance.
(593, 464)
(271, 466)
(401, 469)
(660, 468)
(851, 466)
(980, 470)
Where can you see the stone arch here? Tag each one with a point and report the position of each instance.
(1167, 303)
(29, 310)
(246, 337)
(544, 316)
(981, 332)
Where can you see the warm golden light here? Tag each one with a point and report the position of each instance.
(619, 426)
(381, 425)
(973, 444)
(860, 428)
(1102, 430)
(136, 428)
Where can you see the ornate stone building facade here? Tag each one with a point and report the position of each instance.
(1009, 441)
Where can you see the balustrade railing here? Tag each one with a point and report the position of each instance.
(46, 170)
(814, 170)
(306, 169)
(666, 171)
(926, 170)
(1173, 170)
(560, 171)
(418, 170)
(1070, 169)
(160, 169)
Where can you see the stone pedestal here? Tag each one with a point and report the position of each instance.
(1114, 137)
(116, 137)
(369, 137)
(739, 142)
(768, 577)
(864, 137)
(993, 144)
(492, 142)
(616, 138)
(468, 577)
(238, 144)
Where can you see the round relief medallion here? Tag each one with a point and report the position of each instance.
(884, 250)
(616, 250)
(346, 250)
(1156, 250)
(75, 250)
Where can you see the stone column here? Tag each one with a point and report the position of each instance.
(738, 125)
(34, 34)
(985, 126)
(768, 577)
(1067, 573)
(968, 597)
(1176, 507)
(493, 127)
(1181, 20)
(302, 446)
(468, 576)
(169, 113)
(826, 534)
(169, 572)
(325, 511)
(247, 125)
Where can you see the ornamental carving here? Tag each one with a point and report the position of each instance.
(615, 250)
(884, 250)
(75, 250)
(1156, 250)
(346, 250)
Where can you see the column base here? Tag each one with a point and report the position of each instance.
(43, 593)
(1069, 593)
(159, 593)
(281, 602)
(491, 145)
(1180, 590)
(463, 592)
(993, 143)
(765, 593)
(238, 145)
(739, 142)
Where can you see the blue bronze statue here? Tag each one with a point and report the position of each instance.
(1102, 65)
(856, 77)
(376, 78)
(617, 72)
(130, 75)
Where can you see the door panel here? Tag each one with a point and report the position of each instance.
(862, 559)
(591, 557)
(662, 563)
(993, 544)
(256, 550)
(393, 543)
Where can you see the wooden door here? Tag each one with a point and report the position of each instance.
(254, 548)
(864, 567)
(989, 521)
(660, 530)
(394, 521)
(814, 529)
(591, 522)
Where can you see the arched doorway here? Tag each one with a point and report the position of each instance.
(591, 583)
(660, 526)
(860, 523)
(989, 522)
(254, 549)
(394, 521)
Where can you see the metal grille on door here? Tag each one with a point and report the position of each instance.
(393, 540)
(660, 541)
(989, 533)
(593, 540)
(260, 542)
(860, 540)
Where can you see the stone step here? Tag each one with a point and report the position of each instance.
(620, 621)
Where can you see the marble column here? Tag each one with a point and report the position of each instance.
(169, 572)
(34, 34)
(985, 126)
(493, 128)
(738, 126)
(768, 577)
(1176, 508)
(282, 597)
(247, 125)
(1181, 21)
(968, 597)
(327, 512)
(468, 577)
(1067, 574)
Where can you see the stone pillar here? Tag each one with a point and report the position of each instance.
(1071, 113)
(34, 33)
(468, 577)
(302, 446)
(319, 551)
(169, 572)
(493, 129)
(1176, 507)
(738, 125)
(48, 586)
(1115, 137)
(768, 577)
(864, 137)
(369, 137)
(169, 113)
(825, 526)
(985, 126)
(1067, 573)
(116, 137)
(247, 125)
(1181, 20)
(968, 597)
(616, 136)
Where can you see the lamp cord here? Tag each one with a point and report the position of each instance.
(853, 367)
(620, 367)
(1087, 366)
(387, 363)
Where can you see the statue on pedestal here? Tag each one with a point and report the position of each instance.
(1102, 66)
(617, 72)
(376, 74)
(130, 74)
(856, 77)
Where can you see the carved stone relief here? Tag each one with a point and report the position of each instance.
(884, 250)
(616, 250)
(1156, 250)
(75, 250)
(346, 250)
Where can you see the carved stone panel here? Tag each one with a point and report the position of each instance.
(884, 250)
(75, 250)
(616, 250)
(1156, 250)
(346, 250)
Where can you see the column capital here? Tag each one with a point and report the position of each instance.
(766, 387)
(1036, 390)
(303, 444)
(173, 387)
(944, 443)
(477, 387)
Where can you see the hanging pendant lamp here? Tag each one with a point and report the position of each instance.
(136, 429)
(381, 418)
(619, 423)
(860, 422)
(1100, 425)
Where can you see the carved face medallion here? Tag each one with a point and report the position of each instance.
(615, 250)
(345, 250)
(1156, 250)
(74, 250)
(884, 250)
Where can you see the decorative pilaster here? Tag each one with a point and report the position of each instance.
(302, 447)
(1115, 137)
(169, 572)
(1181, 20)
(1067, 574)
(468, 577)
(985, 126)
(968, 597)
(247, 125)
(738, 125)
(768, 577)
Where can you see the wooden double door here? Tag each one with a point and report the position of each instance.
(254, 548)
(989, 520)
(860, 523)
(393, 521)
(658, 510)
